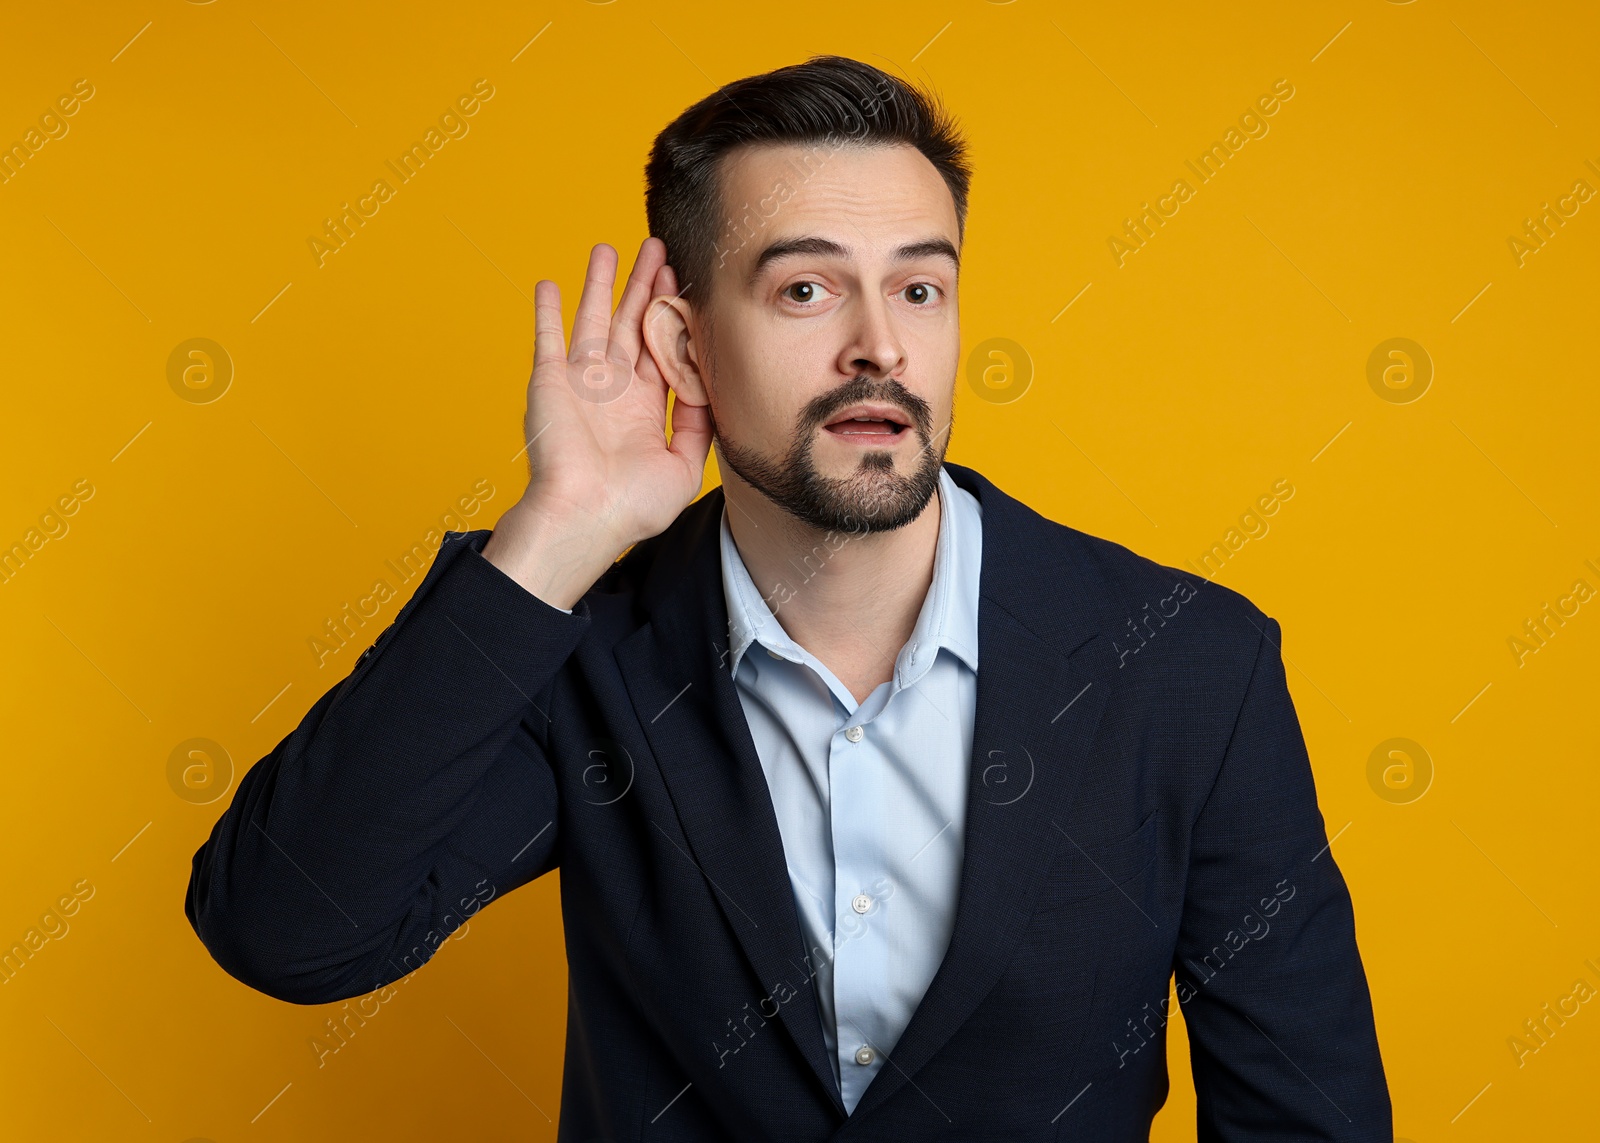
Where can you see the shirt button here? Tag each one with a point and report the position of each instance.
(854, 733)
(865, 1056)
(861, 903)
(773, 653)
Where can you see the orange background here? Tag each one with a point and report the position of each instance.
(370, 393)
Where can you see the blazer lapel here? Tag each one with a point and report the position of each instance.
(675, 669)
(1041, 694)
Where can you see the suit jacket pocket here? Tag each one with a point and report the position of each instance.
(1084, 869)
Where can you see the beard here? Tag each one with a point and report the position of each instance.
(875, 497)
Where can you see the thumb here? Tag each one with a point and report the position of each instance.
(691, 434)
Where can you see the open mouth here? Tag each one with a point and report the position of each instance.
(867, 430)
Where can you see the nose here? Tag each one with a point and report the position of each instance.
(873, 346)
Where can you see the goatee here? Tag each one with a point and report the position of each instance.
(875, 497)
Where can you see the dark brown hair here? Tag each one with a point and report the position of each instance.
(829, 101)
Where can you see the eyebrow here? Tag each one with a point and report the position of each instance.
(826, 247)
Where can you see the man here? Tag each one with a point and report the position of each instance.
(823, 875)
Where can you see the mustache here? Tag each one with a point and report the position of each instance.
(820, 410)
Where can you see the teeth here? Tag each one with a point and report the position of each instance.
(866, 420)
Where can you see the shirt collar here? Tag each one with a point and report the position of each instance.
(949, 615)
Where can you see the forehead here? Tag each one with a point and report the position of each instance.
(863, 197)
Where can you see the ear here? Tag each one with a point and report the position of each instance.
(670, 336)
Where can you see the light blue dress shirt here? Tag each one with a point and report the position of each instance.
(870, 798)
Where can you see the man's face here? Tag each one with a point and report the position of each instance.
(835, 298)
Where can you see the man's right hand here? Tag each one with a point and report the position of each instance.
(602, 475)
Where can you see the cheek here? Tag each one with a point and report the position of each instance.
(935, 363)
(934, 332)
(764, 371)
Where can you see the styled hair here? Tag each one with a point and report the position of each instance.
(827, 102)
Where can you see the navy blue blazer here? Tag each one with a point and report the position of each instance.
(1141, 804)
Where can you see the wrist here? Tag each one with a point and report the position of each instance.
(553, 555)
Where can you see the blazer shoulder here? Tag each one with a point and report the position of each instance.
(1067, 584)
(1136, 585)
(1138, 575)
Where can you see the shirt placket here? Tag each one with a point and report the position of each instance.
(861, 965)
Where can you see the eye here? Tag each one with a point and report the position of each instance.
(804, 292)
(921, 293)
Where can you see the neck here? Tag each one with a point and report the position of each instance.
(849, 599)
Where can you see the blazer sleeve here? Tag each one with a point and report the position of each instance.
(1282, 1040)
(410, 794)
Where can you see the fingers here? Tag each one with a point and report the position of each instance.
(548, 342)
(626, 326)
(593, 321)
